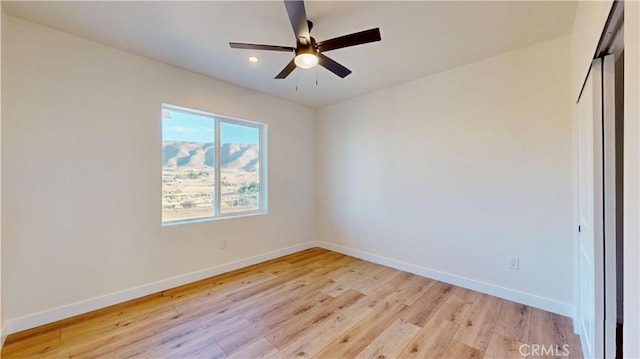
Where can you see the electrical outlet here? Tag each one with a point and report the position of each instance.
(514, 263)
(224, 244)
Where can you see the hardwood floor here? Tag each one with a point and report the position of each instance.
(311, 304)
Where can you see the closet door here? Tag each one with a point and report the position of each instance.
(596, 211)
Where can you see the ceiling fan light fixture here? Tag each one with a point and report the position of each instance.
(306, 60)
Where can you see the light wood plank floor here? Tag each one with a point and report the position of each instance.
(312, 304)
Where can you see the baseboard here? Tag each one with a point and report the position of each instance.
(584, 343)
(3, 335)
(70, 310)
(529, 299)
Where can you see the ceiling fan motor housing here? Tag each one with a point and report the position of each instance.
(307, 49)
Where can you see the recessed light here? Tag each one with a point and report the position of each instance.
(253, 59)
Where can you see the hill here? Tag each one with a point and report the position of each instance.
(233, 156)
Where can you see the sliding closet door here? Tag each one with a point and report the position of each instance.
(596, 212)
(590, 228)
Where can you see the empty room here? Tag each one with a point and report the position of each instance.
(320, 179)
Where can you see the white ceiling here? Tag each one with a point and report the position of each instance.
(418, 38)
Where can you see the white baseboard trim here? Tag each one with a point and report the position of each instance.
(3, 335)
(84, 306)
(529, 299)
(584, 341)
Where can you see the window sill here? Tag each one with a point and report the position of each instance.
(208, 219)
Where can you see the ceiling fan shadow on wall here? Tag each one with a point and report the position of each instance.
(308, 51)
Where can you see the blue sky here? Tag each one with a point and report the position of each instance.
(190, 127)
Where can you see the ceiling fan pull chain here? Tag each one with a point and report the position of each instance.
(316, 77)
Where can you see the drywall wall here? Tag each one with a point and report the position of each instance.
(631, 328)
(588, 24)
(452, 173)
(81, 174)
(2, 326)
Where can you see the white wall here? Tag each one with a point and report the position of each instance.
(454, 172)
(81, 173)
(2, 327)
(631, 328)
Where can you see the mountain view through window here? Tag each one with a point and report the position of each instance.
(194, 185)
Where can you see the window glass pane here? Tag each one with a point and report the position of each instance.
(240, 161)
(188, 163)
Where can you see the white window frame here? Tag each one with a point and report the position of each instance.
(262, 166)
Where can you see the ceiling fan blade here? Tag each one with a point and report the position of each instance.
(287, 70)
(240, 45)
(357, 38)
(333, 66)
(298, 19)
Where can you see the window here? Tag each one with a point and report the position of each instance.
(212, 166)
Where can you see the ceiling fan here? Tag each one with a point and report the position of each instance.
(308, 51)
